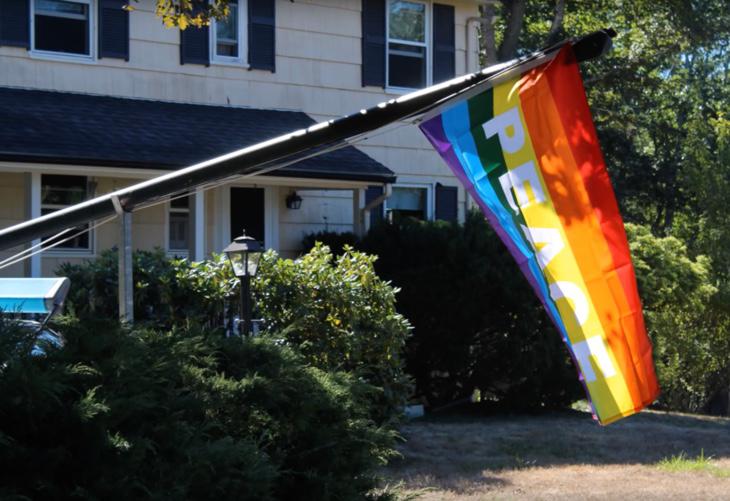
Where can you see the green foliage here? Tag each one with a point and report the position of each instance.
(477, 325)
(691, 347)
(181, 415)
(167, 291)
(340, 315)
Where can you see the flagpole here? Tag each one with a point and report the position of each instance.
(285, 148)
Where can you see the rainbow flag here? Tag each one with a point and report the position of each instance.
(528, 153)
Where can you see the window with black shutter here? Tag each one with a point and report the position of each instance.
(194, 45)
(444, 43)
(373, 42)
(407, 44)
(447, 203)
(113, 29)
(261, 35)
(228, 35)
(15, 23)
(62, 27)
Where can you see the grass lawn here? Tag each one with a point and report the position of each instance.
(653, 455)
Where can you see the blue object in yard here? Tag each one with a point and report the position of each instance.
(33, 295)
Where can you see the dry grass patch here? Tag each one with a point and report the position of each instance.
(566, 456)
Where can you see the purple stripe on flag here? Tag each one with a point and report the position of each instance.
(434, 130)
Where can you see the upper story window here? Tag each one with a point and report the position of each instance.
(407, 45)
(228, 35)
(61, 26)
(59, 192)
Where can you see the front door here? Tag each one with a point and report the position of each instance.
(247, 212)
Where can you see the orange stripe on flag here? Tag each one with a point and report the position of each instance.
(573, 205)
(566, 87)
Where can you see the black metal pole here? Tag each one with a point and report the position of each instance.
(245, 324)
(282, 149)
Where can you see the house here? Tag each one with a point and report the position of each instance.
(94, 97)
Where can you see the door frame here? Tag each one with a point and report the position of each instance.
(271, 214)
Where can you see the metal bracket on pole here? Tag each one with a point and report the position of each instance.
(126, 284)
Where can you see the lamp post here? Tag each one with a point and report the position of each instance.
(244, 253)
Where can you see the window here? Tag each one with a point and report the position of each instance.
(227, 35)
(179, 226)
(407, 202)
(58, 192)
(61, 26)
(407, 47)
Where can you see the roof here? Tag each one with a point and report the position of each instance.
(79, 129)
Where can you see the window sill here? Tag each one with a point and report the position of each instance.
(400, 91)
(231, 64)
(61, 56)
(69, 253)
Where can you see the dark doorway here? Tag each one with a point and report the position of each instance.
(247, 211)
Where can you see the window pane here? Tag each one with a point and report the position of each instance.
(226, 32)
(79, 242)
(407, 21)
(62, 26)
(407, 202)
(406, 66)
(179, 231)
(62, 190)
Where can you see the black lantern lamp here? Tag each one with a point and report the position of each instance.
(293, 201)
(244, 253)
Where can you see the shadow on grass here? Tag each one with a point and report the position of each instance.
(461, 453)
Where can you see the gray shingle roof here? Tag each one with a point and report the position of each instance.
(79, 129)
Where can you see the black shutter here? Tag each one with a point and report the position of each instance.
(15, 23)
(444, 43)
(376, 213)
(373, 43)
(447, 202)
(262, 35)
(195, 45)
(113, 29)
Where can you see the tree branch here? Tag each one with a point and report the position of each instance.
(554, 33)
(508, 48)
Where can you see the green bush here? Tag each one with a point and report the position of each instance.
(691, 335)
(179, 415)
(477, 324)
(341, 316)
(167, 291)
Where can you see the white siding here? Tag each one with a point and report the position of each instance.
(318, 45)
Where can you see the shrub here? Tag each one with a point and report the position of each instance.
(180, 415)
(167, 291)
(341, 316)
(477, 325)
(691, 335)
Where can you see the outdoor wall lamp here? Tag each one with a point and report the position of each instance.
(293, 201)
(244, 253)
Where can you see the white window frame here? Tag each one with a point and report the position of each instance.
(66, 56)
(426, 44)
(429, 198)
(68, 252)
(242, 60)
(169, 209)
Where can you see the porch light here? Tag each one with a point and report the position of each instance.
(244, 254)
(293, 201)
